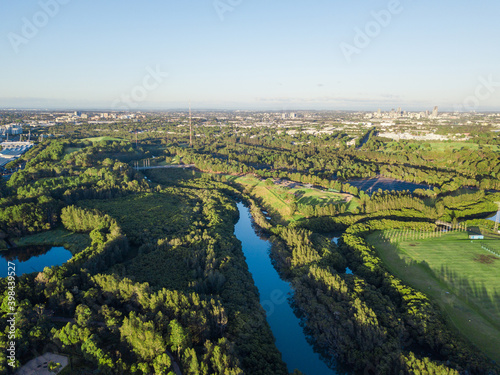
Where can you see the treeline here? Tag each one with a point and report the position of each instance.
(186, 299)
(370, 320)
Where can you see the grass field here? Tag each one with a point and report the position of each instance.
(452, 145)
(279, 198)
(99, 139)
(69, 150)
(458, 275)
(74, 242)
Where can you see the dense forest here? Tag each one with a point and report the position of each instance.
(164, 285)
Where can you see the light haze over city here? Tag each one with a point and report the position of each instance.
(262, 55)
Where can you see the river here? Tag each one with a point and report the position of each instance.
(274, 293)
(32, 258)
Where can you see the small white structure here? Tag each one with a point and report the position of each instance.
(476, 237)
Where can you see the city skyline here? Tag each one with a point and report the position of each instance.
(250, 55)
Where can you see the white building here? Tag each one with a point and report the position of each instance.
(12, 151)
(13, 129)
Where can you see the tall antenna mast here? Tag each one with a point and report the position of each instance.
(190, 127)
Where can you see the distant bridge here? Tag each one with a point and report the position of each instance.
(184, 166)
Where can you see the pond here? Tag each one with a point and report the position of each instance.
(373, 184)
(275, 293)
(32, 258)
(495, 217)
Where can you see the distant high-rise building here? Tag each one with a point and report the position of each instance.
(435, 112)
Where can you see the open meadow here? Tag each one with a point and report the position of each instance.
(458, 274)
(289, 199)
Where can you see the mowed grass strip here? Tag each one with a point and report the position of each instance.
(74, 242)
(278, 198)
(104, 138)
(458, 275)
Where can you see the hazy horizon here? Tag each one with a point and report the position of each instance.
(64, 54)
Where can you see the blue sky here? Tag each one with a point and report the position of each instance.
(257, 54)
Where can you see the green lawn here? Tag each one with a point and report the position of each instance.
(74, 242)
(457, 274)
(314, 196)
(278, 198)
(442, 146)
(105, 138)
(69, 150)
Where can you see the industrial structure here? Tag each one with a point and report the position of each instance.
(12, 151)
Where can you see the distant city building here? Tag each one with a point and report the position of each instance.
(12, 151)
(435, 112)
(13, 129)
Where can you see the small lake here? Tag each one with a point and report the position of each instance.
(274, 294)
(32, 258)
(494, 217)
(373, 184)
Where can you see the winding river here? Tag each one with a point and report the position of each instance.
(274, 293)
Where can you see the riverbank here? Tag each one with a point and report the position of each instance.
(275, 294)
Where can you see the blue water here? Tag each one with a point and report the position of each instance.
(35, 263)
(274, 292)
(373, 184)
(494, 217)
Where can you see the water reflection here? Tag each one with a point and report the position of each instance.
(274, 293)
(29, 259)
